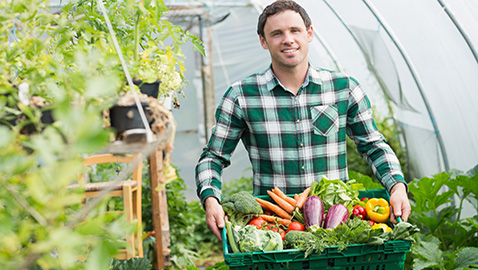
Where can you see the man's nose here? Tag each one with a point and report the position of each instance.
(288, 38)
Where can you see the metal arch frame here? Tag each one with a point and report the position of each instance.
(460, 28)
(358, 44)
(411, 69)
(416, 78)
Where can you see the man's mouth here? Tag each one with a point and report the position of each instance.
(289, 50)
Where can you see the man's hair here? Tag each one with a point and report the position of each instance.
(278, 7)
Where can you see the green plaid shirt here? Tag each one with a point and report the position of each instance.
(293, 140)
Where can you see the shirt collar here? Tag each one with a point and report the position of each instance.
(273, 81)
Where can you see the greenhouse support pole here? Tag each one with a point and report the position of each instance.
(414, 73)
(207, 78)
(370, 66)
(328, 50)
(460, 28)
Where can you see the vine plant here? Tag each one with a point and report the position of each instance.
(65, 58)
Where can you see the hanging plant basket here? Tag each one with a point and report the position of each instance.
(46, 119)
(127, 117)
(150, 89)
(12, 119)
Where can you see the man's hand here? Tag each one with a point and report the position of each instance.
(399, 202)
(214, 216)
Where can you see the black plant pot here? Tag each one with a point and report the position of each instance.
(9, 120)
(46, 118)
(150, 89)
(124, 118)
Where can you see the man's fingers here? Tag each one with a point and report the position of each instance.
(214, 227)
(215, 217)
(397, 212)
(406, 214)
(220, 223)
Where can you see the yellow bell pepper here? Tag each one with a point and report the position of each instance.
(382, 226)
(377, 209)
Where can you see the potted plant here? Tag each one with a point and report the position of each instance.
(68, 60)
(40, 221)
(149, 44)
(25, 62)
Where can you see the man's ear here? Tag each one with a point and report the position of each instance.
(263, 42)
(310, 33)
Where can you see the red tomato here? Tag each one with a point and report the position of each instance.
(258, 222)
(296, 226)
(275, 228)
(359, 212)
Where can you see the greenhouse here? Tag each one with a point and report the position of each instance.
(71, 67)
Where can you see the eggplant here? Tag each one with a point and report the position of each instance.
(336, 215)
(313, 211)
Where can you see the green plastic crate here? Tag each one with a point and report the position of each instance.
(389, 256)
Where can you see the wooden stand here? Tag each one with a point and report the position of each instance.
(164, 128)
(159, 210)
(158, 197)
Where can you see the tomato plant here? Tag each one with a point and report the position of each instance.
(296, 226)
(275, 228)
(258, 222)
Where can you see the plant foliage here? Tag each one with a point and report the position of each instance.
(448, 240)
(67, 59)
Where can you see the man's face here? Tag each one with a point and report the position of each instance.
(287, 39)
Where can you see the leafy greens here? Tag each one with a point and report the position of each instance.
(336, 191)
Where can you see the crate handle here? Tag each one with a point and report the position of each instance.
(224, 239)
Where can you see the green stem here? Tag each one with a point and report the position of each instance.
(136, 37)
(231, 238)
(440, 232)
(24, 204)
(458, 217)
(461, 207)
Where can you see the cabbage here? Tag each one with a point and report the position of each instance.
(254, 239)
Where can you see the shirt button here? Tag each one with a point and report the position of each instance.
(298, 120)
(303, 167)
(301, 144)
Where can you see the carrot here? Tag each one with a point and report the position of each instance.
(296, 197)
(282, 221)
(274, 208)
(302, 197)
(281, 194)
(281, 202)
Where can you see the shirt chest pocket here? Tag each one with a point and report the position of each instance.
(325, 119)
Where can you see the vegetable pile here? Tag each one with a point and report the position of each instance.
(329, 213)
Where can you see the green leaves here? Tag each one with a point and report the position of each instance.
(467, 257)
(336, 191)
(133, 263)
(447, 240)
(428, 253)
(426, 192)
(365, 180)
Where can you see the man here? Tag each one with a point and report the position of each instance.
(293, 120)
